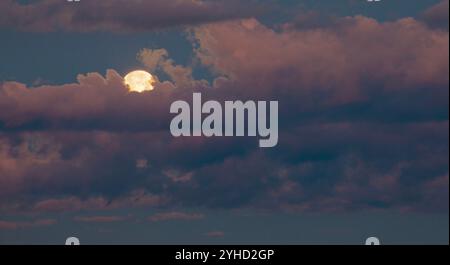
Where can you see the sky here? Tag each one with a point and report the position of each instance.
(363, 122)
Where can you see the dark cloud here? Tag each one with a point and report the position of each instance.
(363, 125)
(437, 16)
(116, 15)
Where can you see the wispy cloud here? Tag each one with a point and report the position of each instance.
(100, 219)
(12, 225)
(175, 216)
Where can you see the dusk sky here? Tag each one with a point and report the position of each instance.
(363, 146)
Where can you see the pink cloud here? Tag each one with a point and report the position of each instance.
(137, 198)
(85, 138)
(9, 225)
(339, 60)
(91, 98)
(215, 234)
(100, 219)
(330, 63)
(170, 216)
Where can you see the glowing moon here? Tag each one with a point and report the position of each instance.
(139, 81)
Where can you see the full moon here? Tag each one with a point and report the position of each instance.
(139, 81)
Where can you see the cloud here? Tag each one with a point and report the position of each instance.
(294, 66)
(332, 64)
(170, 216)
(437, 16)
(100, 219)
(138, 198)
(176, 176)
(12, 225)
(363, 125)
(180, 75)
(90, 101)
(116, 15)
(215, 234)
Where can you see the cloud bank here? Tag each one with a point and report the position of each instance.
(363, 125)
